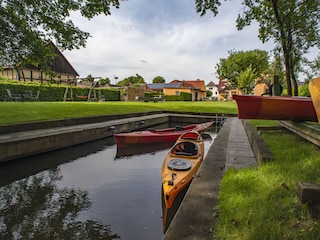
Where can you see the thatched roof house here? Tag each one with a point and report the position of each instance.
(60, 66)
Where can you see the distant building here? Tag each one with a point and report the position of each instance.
(226, 90)
(211, 86)
(196, 87)
(64, 71)
(261, 88)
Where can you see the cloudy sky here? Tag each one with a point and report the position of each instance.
(161, 38)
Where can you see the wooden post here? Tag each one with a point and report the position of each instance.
(308, 192)
(69, 86)
(276, 86)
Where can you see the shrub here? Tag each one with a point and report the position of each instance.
(55, 92)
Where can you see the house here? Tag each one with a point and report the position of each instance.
(260, 88)
(226, 90)
(196, 87)
(64, 71)
(211, 86)
(268, 86)
(132, 93)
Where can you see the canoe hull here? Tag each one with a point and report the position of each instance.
(157, 136)
(275, 108)
(314, 89)
(174, 180)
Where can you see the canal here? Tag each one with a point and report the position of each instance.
(89, 191)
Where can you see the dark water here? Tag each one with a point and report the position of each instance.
(90, 191)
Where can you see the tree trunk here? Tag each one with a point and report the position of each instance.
(287, 67)
(284, 45)
(294, 83)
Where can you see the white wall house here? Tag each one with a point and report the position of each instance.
(211, 86)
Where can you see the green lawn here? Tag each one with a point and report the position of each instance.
(261, 202)
(17, 112)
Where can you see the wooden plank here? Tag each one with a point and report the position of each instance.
(307, 130)
(308, 192)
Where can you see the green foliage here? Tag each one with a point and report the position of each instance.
(240, 61)
(3, 78)
(111, 94)
(292, 25)
(203, 5)
(246, 80)
(104, 81)
(209, 93)
(182, 97)
(151, 94)
(158, 79)
(131, 80)
(186, 96)
(53, 93)
(89, 78)
(313, 68)
(303, 90)
(27, 25)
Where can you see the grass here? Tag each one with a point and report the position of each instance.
(264, 123)
(253, 202)
(261, 202)
(17, 112)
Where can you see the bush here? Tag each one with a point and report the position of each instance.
(55, 92)
(182, 97)
(152, 94)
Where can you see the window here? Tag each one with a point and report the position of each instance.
(177, 93)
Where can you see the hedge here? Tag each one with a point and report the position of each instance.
(55, 92)
(182, 97)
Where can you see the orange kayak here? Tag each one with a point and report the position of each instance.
(314, 89)
(180, 165)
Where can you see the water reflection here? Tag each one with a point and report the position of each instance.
(82, 193)
(31, 165)
(36, 208)
(132, 150)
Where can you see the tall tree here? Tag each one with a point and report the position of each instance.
(158, 79)
(293, 26)
(26, 27)
(246, 80)
(132, 80)
(239, 61)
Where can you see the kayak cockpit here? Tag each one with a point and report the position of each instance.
(185, 149)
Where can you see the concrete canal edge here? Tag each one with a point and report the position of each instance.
(21, 140)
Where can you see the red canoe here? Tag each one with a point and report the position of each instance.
(158, 136)
(275, 108)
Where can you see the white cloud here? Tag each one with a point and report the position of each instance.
(159, 37)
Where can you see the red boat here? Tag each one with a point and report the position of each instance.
(275, 108)
(158, 136)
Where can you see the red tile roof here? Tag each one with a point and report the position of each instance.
(197, 84)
